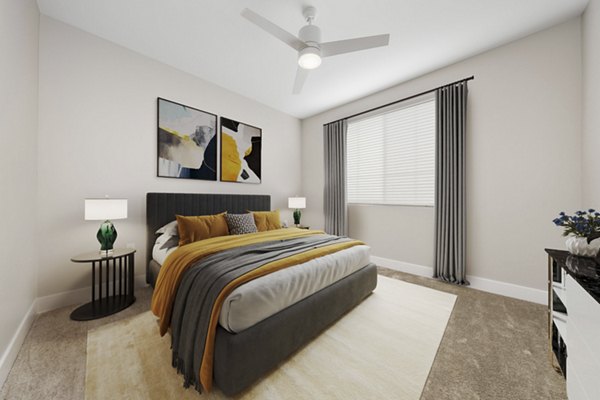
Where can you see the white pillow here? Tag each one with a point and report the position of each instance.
(169, 229)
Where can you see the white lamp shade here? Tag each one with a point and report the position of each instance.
(296, 202)
(105, 209)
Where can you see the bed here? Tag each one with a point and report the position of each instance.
(244, 355)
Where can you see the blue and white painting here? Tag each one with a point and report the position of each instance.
(187, 142)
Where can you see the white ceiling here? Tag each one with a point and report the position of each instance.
(209, 39)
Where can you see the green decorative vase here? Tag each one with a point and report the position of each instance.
(297, 215)
(107, 234)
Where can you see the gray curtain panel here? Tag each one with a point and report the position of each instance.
(450, 207)
(335, 206)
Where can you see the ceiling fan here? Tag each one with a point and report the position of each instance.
(308, 43)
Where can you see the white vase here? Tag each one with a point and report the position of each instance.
(578, 246)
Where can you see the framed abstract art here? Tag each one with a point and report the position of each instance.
(187, 142)
(240, 152)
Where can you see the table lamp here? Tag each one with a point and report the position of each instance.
(297, 203)
(106, 210)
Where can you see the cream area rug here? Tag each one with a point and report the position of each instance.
(383, 349)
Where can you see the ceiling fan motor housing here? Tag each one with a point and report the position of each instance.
(311, 35)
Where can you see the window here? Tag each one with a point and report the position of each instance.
(391, 155)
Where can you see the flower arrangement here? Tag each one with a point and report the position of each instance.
(581, 224)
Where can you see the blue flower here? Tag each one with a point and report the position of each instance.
(580, 223)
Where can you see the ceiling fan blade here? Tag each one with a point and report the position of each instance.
(347, 46)
(301, 75)
(273, 29)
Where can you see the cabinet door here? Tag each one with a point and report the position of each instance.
(583, 328)
(574, 387)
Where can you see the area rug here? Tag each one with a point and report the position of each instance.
(383, 349)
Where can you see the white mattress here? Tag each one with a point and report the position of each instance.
(265, 296)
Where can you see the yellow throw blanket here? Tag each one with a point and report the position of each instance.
(184, 257)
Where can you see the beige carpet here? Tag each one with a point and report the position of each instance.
(382, 349)
(494, 347)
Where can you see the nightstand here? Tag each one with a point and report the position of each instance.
(114, 271)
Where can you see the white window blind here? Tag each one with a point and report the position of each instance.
(391, 156)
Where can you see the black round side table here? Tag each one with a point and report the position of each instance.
(115, 272)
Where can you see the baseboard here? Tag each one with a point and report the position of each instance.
(402, 266)
(77, 296)
(509, 289)
(487, 285)
(10, 354)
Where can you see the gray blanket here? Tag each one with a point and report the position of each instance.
(201, 285)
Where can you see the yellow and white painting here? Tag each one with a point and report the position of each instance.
(240, 152)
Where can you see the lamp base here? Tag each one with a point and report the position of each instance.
(107, 234)
(297, 215)
(106, 253)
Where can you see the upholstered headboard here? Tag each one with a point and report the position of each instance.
(162, 207)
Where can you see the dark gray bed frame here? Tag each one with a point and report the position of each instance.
(243, 358)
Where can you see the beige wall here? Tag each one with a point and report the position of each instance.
(98, 136)
(389, 230)
(19, 23)
(591, 104)
(523, 159)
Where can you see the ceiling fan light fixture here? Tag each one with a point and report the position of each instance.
(308, 43)
(309, 58)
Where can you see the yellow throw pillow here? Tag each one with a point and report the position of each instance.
(266, 220)
(192, 229)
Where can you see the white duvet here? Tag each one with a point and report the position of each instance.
(259, 299)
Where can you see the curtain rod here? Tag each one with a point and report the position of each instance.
(404, 99)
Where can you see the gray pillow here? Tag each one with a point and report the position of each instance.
(240, 224)
(172, 241)
(170, 229)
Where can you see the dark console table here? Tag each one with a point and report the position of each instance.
(115, 272)
(574, 321)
